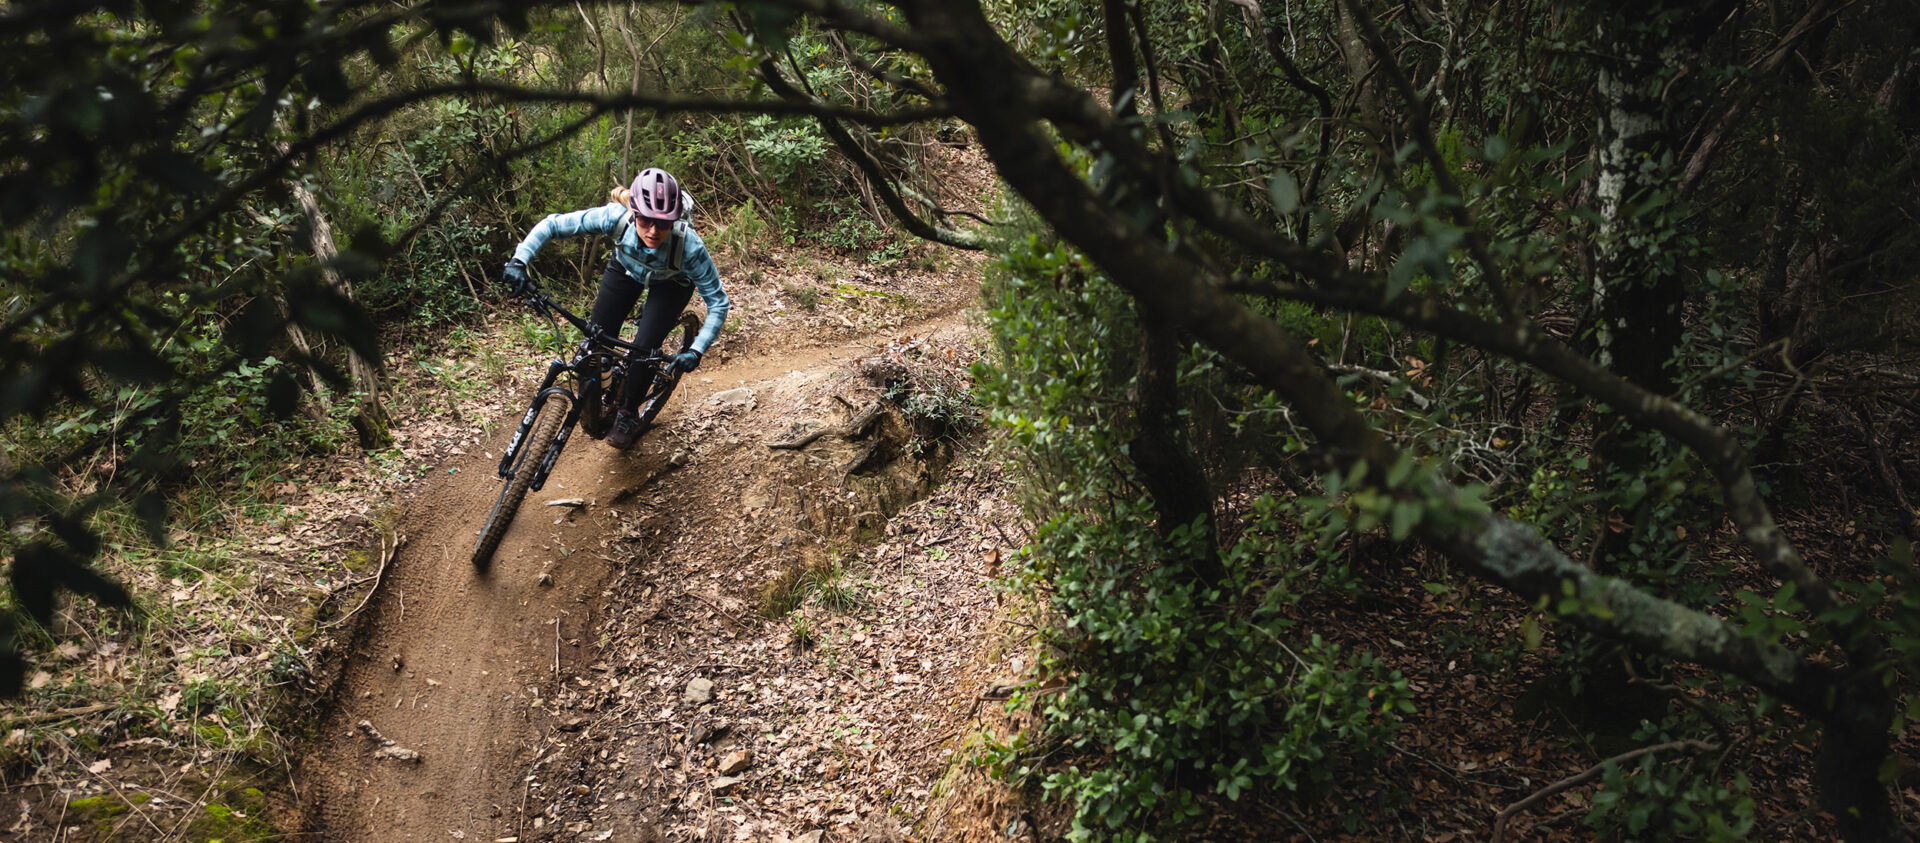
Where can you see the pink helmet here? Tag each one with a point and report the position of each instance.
(656, 194)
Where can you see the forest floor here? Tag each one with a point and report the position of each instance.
(707, 638)
(701, 631)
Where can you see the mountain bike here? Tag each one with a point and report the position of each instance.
(585, 391)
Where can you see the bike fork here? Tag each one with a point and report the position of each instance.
(554, 369)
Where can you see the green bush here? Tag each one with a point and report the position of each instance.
(1160, 689)
(1668, 799)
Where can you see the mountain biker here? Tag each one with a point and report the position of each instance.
(644, 222)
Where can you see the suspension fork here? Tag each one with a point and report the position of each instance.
(546, 390)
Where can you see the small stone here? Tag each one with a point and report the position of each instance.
(702, 732)
(814, 836)
(724, 784)
(740, 398)
(581, 790)
(546, 579)
(735, 761)
(699, 691)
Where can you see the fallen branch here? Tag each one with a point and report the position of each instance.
(1500, 820)
(388, 549)
(1888, 477)
(941, 738)
(857, 427)
(388, 749)
(741, 624)
(61, 714)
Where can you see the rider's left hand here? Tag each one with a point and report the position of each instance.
(687, 361)
(514, 275)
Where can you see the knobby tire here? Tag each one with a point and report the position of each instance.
(540, 440)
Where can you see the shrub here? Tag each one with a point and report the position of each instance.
(1160, 689)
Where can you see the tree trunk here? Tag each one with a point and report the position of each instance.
(1637, 290)
(1175, 480)
(317, 410)
(370, 418)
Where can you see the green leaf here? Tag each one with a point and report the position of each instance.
(1285, 192)
(1496, 148)
(1410, 263)
(1406, 514)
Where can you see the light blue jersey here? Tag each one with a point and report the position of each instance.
(643, 265)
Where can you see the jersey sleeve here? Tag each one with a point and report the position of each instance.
(697, 263)
(605, 219)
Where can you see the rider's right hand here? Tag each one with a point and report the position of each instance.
(514, 275)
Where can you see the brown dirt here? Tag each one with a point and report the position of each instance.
(517, 687)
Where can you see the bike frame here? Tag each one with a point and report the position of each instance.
(591, 344)
(595, 375)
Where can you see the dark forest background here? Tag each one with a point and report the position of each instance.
(1595, 321)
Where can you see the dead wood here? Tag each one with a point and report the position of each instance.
(851, 430)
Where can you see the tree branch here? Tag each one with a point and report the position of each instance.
(876, 175)
(1500, 821)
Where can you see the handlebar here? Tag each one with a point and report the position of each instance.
(544, 304)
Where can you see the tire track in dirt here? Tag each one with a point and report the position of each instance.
(460, 666)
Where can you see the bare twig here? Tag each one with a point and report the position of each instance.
(59, 714)
(131, 805)
(1500, 821)
(390, 543)
(718, 608)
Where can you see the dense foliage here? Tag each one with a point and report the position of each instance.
(172, 171)
(1568, 295)
(1160, 684)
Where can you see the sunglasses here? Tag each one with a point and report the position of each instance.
(649, 222)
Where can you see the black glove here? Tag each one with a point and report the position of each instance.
(514, 275)
(686, 361)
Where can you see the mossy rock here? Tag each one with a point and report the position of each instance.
(103, 809)
(244, 819)
(359, 561)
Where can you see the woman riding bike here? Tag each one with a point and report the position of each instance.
(653, 251)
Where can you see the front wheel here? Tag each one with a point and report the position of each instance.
(541, 439)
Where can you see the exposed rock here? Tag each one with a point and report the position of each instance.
(724, 784)
(699, 691)
(740, 399)
(735, 761)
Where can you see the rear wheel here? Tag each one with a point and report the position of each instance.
(668, 377)
(540, 440)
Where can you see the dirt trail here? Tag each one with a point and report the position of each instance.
(461, 667)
